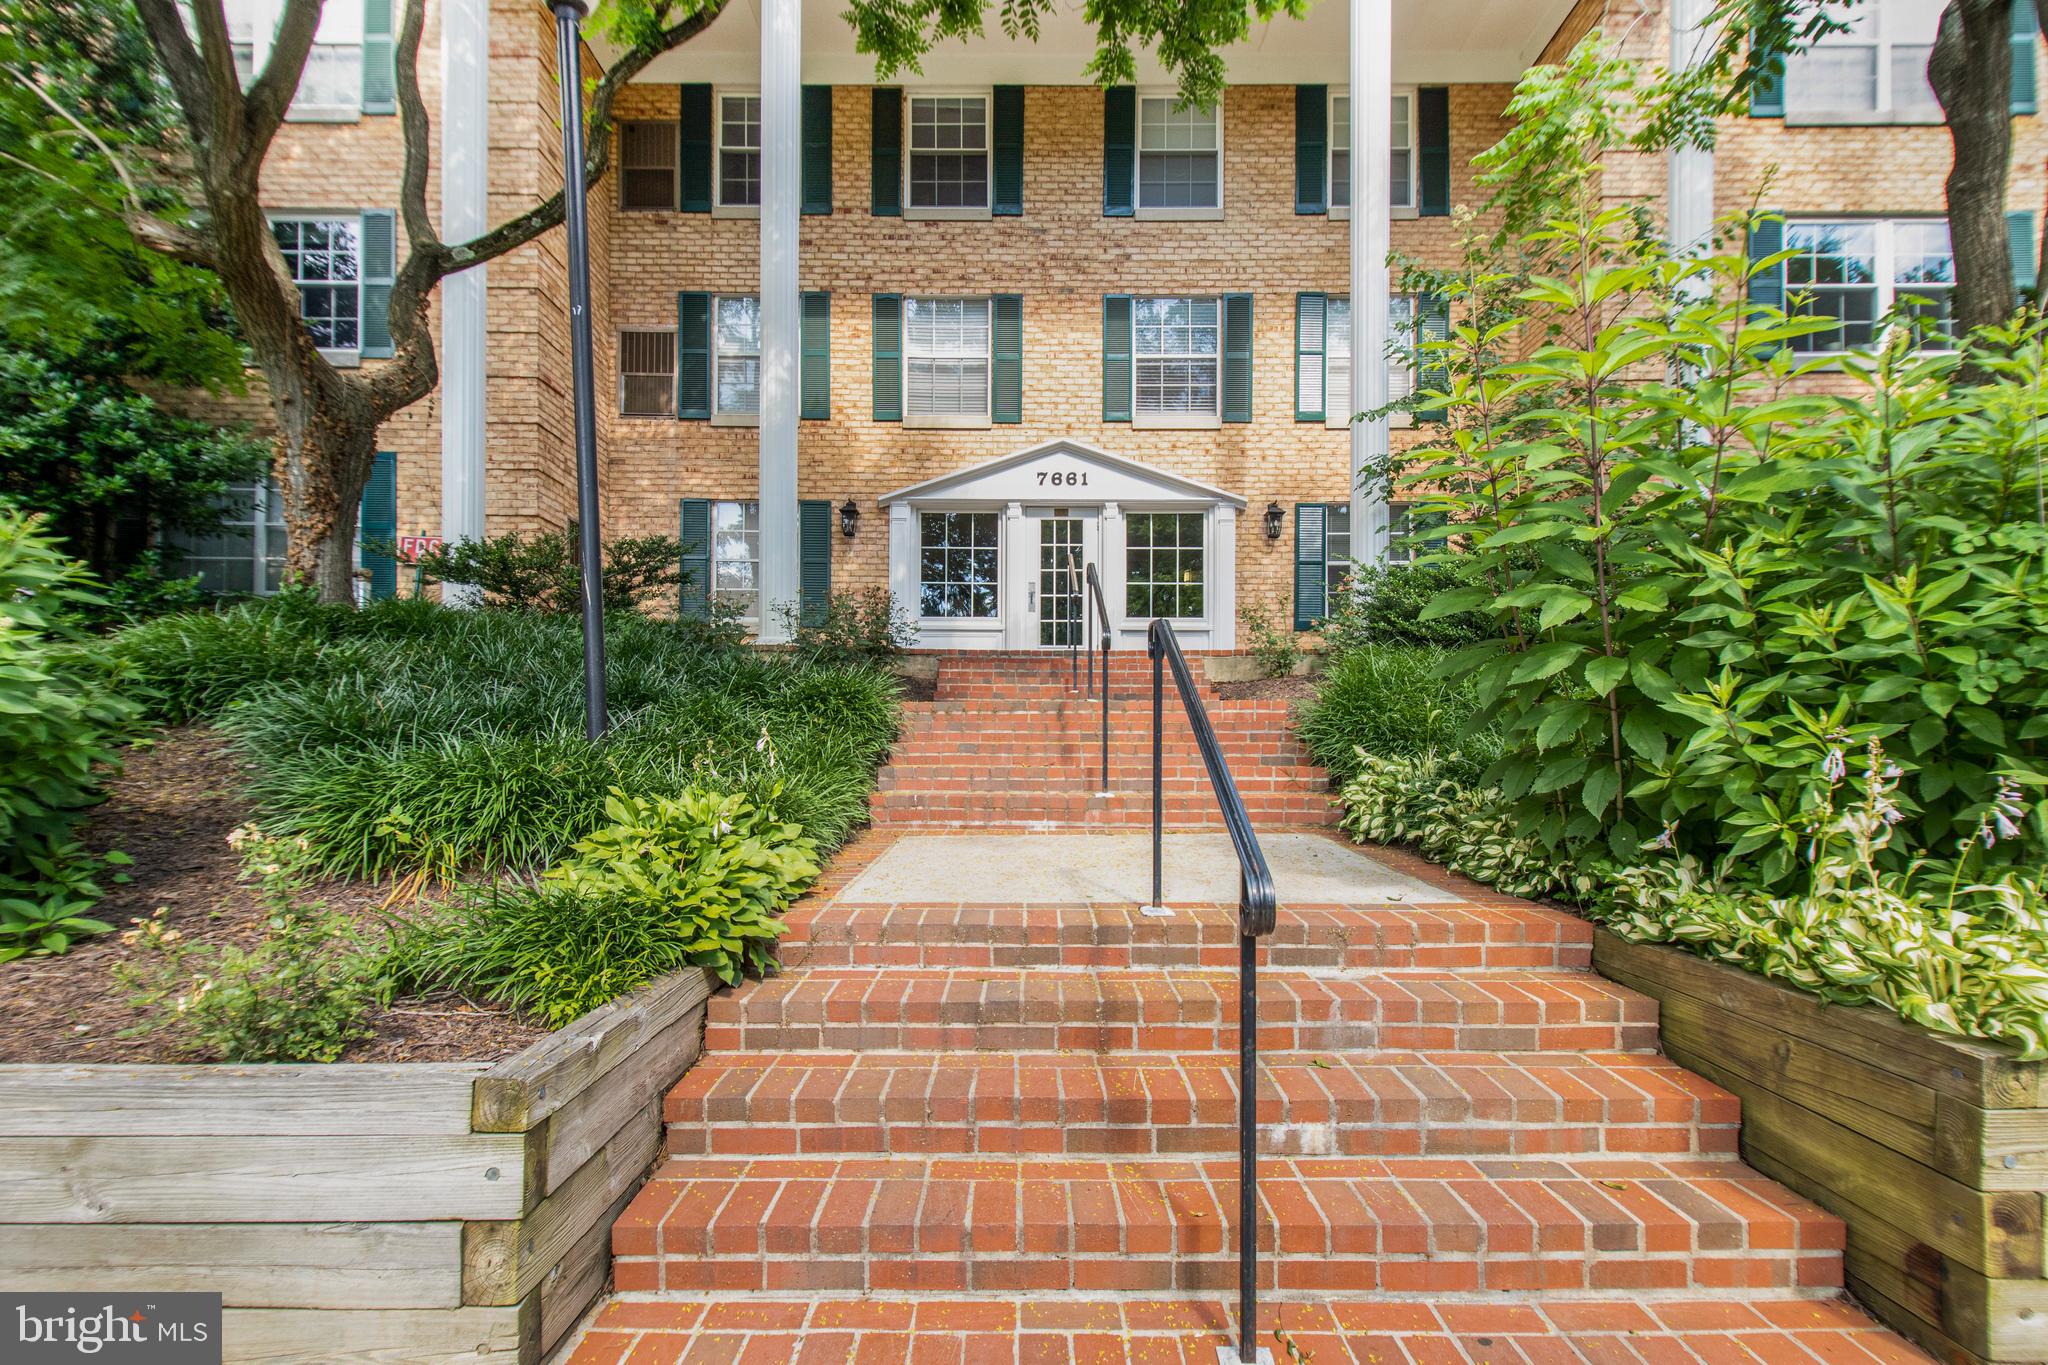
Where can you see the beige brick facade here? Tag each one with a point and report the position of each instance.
(1062, 255)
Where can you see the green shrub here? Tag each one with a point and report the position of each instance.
(194, 665)
(866, 626)
(1276, 647)
(1386, 606)
(696, 879)
(59, 718)
(544, 573)
(1391, 701)
(299, 995)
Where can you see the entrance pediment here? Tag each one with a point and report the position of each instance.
(1064, 471)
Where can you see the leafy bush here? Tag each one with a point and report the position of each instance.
(300, 995)
(544, 573)
(1704, 589)
(1386, 604)
(1274, 646)
(695, 879)
(1414, 799)
(59, 718)
(1391, 701)
(193, 665)
(855, 626)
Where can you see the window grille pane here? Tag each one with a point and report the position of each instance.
(1178, 164)
(332, 79)
(647, 165)
(736, 555)
(647, 373)
(738, 368)
(946, 349)
(1911, 90)
(1833, 78)
(323, 256)
(957, 564)
(1833, 276)
(1164, 564)
(1178, 344)
(948, 152)
(739, 150)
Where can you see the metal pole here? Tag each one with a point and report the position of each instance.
(1247, 1140)
(575, 219)
(1158, 777)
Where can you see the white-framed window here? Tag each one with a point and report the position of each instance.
(1856, 271)
(1408, 532)
(1337, 563)
(1166, 569)
(948, 154)
(647, 372)
(1873, 71)
(739, 150)
(1401, 153)
(946, 361)
(1177, 360)
(648, 164)
(245, 554)
(1180, 157)
(331, 85)
(1338, 406)
(325, 258)
(736, 557)
(959, 558)
(736, 356)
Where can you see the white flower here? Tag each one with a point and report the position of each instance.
(1834, 767)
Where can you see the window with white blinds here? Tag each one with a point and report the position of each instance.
(1875, 68)
(1337, 355)
(946, 354)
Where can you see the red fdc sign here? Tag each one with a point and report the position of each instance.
(410, 548)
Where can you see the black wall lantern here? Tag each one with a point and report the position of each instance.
(849, 518)
(1275, 518)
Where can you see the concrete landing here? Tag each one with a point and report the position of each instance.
(1038, 869)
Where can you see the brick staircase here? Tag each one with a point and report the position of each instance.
(972, 1133)
(1009, 741)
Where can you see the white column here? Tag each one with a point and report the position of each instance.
(1017, 580)
(1223, 578)
(465, 311)
(1112, 567)
(903, 568)
(1372, 93)
(781, 115)
(1690, 170)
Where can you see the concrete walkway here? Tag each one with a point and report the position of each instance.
(1072, 869)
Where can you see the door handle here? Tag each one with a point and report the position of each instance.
(1031, 599)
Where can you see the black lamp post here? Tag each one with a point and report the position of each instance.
(575, 219)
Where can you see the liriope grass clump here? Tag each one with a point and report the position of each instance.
(1389, 701)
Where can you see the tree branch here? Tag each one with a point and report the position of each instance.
(271, 95)
(420, 233)
(182, 63)
(174, 240)
(120, 167)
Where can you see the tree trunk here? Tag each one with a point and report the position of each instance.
(327, 446)
(1971, 70)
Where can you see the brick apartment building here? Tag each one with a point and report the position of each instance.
(943, 333)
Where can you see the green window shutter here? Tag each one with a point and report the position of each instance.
(379, 265)
(817, 149)
(377, 526)
(1433, 151)
(695, 534)
(888, 353)
(2026, 42)
(1116, 358)
(1120, 151)
(2025, 248)
(693, 356)
(1237, 357)
(1766, 239)
(814, 367)
(1767, 96)
(1006, 400)
(1006, 186)
(887, 142)
(1311, 312)
(380, 74)
(1432, 374)
(814, 561)
(1311, 148)
(1311, 584)
(693, 142)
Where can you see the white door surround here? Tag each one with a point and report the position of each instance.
(1012, 496)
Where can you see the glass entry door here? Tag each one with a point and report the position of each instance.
(1063, 540)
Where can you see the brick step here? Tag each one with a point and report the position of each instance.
(1190, 810)
(1084, 776)
(1041, 1011)
(1131, 762)
(1375, 938)
(1040, 1330)
(1053, 1104)
(1335, 1225)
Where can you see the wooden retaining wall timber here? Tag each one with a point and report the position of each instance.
(1933, 1149)
(415, 1212)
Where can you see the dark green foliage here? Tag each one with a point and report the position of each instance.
(865, 625)
(409, 735)
(1392, 701)
(104, 463)
(1386, 603)
(59, 717)
(1273, 644)
(544, 573)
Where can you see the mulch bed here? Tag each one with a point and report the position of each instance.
(1268, 689)
(170, 809)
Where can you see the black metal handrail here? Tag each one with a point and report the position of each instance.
(1257, 910)
(1098, 619)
